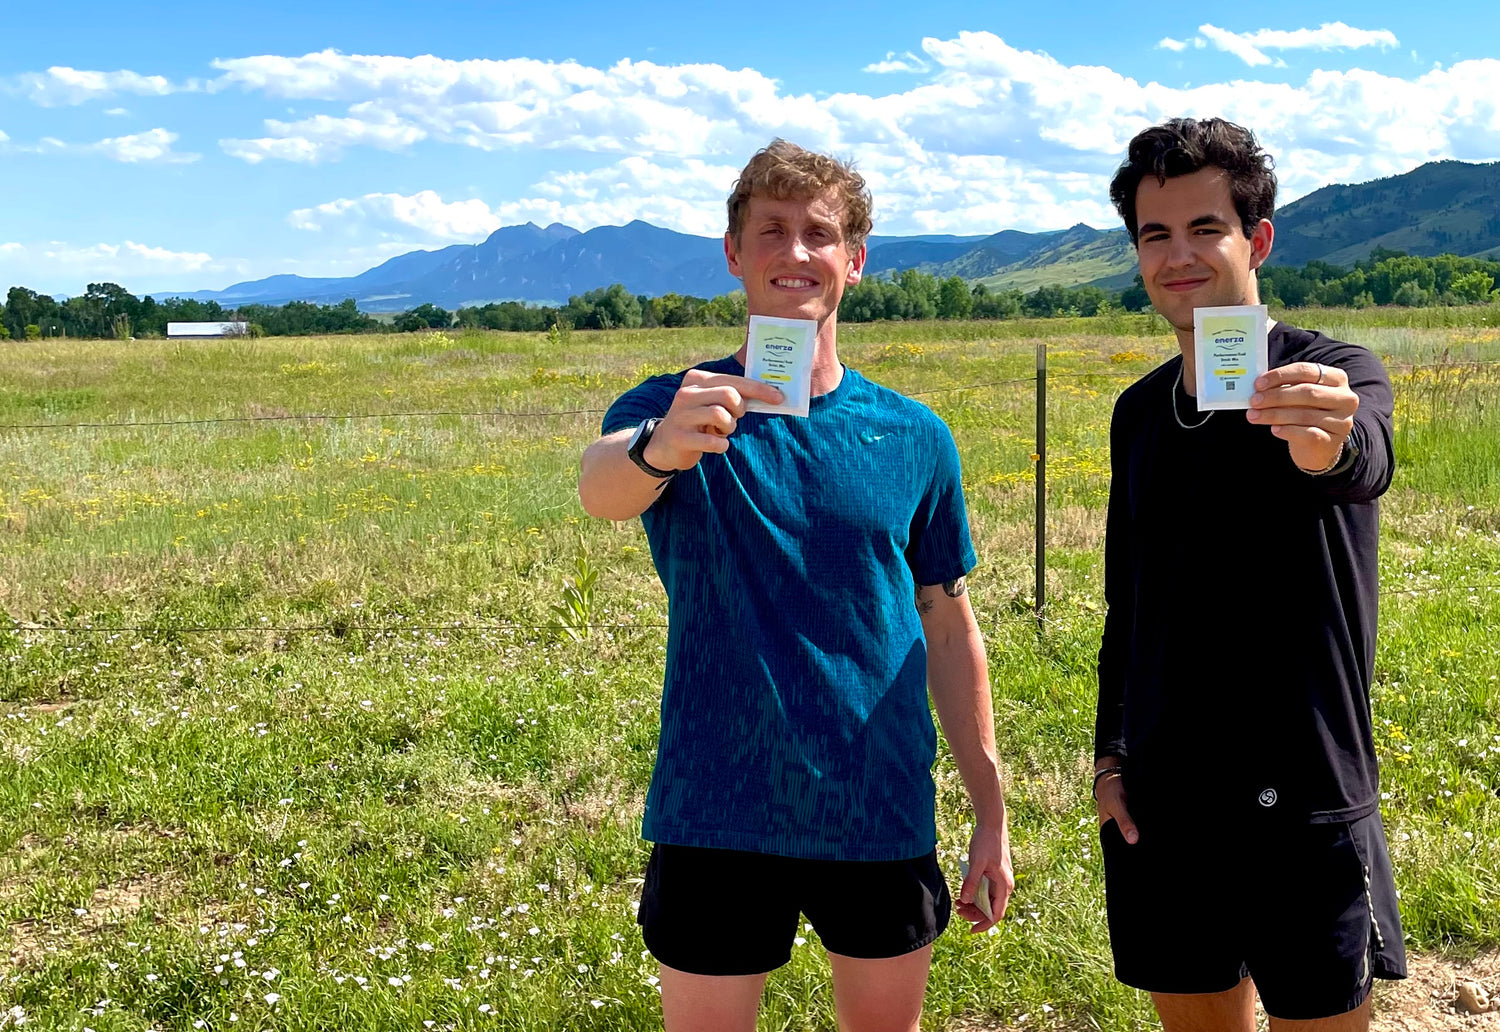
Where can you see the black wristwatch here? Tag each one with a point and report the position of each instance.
(637, 449)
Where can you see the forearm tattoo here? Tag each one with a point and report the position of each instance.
(954, 588)
(924, 605)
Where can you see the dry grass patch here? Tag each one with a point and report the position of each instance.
(108, 907)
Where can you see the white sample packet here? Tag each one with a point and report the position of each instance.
(981, 894)
(780, 353)
(1230, 350)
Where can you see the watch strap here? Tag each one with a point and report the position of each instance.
(637, 450)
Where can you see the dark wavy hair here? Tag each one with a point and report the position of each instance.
(1181, 147)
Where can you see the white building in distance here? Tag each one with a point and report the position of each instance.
(206, 330)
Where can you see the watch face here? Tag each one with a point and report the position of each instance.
(635, 437)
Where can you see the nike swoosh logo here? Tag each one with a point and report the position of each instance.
(872, 438)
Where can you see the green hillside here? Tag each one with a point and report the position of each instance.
(1082, 255)
(1443, 207)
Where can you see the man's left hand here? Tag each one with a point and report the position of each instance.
(989, 857)
(1309, 406)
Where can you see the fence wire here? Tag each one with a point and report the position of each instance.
(312, 417)
(345, 629)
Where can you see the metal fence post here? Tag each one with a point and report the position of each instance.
(1041, 482)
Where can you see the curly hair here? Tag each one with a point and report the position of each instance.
(785, 171)
(1183, 146)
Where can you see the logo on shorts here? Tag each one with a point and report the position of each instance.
(1268, 797)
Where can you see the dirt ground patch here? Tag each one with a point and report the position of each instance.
(109, 905)
(1425, 1001)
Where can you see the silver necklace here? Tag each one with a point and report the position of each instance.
(1173, 399)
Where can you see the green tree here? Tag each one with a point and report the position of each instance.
(1048, 300)
(955, 301)
(865, 301)
(731, 309)
(1412, 294)
(432, 316)
(605, 308)
(1473, 288)
(1393, 273)
(674, 310)
(1001, 304)
(25, 308)
(919, 294)
(1134, 297)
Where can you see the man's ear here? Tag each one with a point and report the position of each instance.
(732, 256)
(857, 266)
(1260, 243)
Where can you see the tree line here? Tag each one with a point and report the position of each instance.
(1386, 277)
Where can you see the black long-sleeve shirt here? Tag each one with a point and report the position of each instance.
(1240, 637)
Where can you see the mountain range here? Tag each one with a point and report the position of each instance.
(1442, 206)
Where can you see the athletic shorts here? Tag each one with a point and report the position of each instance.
(727, 912)
(1308, 911)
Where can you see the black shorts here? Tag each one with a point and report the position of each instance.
(1308, 911)
(726, 912)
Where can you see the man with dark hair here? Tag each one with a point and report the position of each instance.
(794, 770)
(1235, 768)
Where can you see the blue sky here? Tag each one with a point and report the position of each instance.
(187, 146)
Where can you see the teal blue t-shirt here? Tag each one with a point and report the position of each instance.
(794, 715)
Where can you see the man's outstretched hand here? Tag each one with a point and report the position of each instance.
(1310, 406)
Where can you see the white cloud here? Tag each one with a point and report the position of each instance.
(61, 86)
(153, 146)
(130, 252)
(324, 138)
(3, 137)
(688, 197)
(1329, 36)
(62, 267)
(1251, 47)
(994, 137)
(117, 112)
(426, 212)
(907, 62)
(630, 107)
(288, 149)
(1235, 43)
(1175, 45)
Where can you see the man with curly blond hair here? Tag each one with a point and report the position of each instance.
(815, 574)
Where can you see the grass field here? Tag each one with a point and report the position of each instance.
(316, 753)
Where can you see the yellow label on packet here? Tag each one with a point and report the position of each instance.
(1229, 353)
